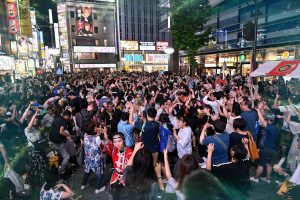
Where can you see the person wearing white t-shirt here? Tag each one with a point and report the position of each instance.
(184, 140)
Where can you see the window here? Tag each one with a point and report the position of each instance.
(96, 29)
(73, 28)
(95, 15)
(72, 14)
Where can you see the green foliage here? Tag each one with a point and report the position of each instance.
(188, 18)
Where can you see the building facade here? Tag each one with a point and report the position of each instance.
(88, 34)
(278, 35)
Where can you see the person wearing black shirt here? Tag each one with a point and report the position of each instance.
(57, 136)
(235, 174)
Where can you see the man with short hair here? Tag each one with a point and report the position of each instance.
(250, 116)
(127, 129)
(58, 135)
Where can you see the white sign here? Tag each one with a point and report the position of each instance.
(95, 66)
(161, 46)
(147, 46)
(157, 58)
(55, 52)
(94, 49)
(7, 63)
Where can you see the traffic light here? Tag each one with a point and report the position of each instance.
(248, 31)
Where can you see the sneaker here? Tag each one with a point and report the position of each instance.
(100, 190)
(265, 180)
(256, 180)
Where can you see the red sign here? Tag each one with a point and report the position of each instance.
(11, 9)
(13, 26)
(160, 46)
(283, 68)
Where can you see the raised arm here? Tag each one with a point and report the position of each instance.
(137, 147)
(167, 165)
(33, 119)
(260, 115)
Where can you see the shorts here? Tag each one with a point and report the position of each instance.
(266, 156)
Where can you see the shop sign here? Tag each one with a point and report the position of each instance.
(32, 18)
(285, 55)
(243, 57)
(161, 46)
(24, 15)
(7, 63)
(31, 64)
(13, 47)
(11, 9)
(62, 26)
(129, 45)
(23, 46)
(157, 58)
(21, 66)
(95, 49)
(133, 57)
(95, 66)
(147, 46)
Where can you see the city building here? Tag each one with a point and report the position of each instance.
(142, 42)
(277, 35)
(88, 34)
(6, 61)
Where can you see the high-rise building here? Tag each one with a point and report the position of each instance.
(139, 20)
(88, 34)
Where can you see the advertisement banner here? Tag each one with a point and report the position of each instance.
(14, 48)
(62, 27)
(11, 9)
(161, 46)
(7, 63)
(96, 49)
(21, 66)
(31, 64)
(84, 21)
(22, 46)
(157, 58)
(13, 26)
(24, 15)
(41, 44)
(32, 18)
(147, 46)
(129, 45)
(95, 65)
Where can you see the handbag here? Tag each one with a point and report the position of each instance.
(253, 151)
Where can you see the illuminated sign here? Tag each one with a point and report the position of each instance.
(7, 63)
(95, 49)
(95, 65)
(147, 46)
(161, 46)
(24, 15)
(129, 45)
(157, 58)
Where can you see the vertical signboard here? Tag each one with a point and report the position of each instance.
(12, 15)
(41, 43)
(62, 26)
(24, 15)
(34, 38)
(22, 44)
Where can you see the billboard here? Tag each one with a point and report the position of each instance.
(84, 21)
(147, 46)
(95, 66)
(22, 44)
(161, 46)
(62, 27)
(14, 48)
(12, 15)
(129, 45)
(157, 58)
(96, 49)
(21, 66)
(24, 15)
(7, 63)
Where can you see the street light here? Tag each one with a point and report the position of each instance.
(169, 51)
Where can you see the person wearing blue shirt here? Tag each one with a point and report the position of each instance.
(250, 116)
(220, 140)
(127, 129)
(268, 146)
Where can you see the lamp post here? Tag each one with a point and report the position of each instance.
(169, 51)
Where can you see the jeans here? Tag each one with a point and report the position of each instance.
(99, 178)
(62, 151)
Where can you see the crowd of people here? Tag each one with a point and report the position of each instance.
(165, 136)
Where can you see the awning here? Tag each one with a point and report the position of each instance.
(279, 68)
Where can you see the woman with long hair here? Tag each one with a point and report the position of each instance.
(187, 165)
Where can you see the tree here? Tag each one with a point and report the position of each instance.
(188, 18)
